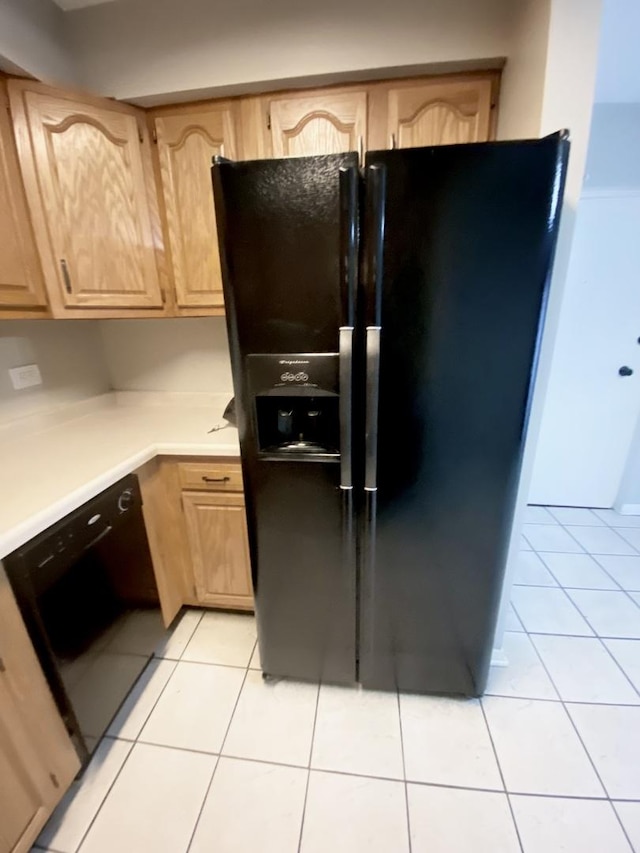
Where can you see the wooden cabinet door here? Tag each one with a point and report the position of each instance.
(166, 533)
(324, 123)
(37, 759)
(438, 113)
(217, 531)
(88, 177)
(187, 140)
(21, 284)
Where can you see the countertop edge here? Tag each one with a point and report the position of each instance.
(21, 533)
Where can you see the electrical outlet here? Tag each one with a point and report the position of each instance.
(25, 376)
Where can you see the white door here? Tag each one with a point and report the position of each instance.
(591, 410)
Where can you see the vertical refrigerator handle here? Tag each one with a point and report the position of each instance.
(348, 271)
(376, 202)
(348, 242)
(376, 198)
(345, 379)
(373, 275)
(371, 408)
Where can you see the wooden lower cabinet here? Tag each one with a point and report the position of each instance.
(196, 526)
(217, 530)
(37, 759)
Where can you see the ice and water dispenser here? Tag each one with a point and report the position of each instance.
(295, 404)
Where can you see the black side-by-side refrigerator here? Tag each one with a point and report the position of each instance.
(384, 326)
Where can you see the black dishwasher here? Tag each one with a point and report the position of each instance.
(87, 593)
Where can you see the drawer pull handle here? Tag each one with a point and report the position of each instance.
(216, 479)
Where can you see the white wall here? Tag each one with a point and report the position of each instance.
(629, 494)
(569, 82)
(144, 47)
(33, 41)
(178, 354)
(523, 78)
(613, 160)
(69, 354)
(612, 164)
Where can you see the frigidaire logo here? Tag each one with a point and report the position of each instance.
(293, 361)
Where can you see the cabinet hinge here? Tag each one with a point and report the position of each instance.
(140, 134)
(2, 666)
(54, 780)
(269, 120)
(154, 136)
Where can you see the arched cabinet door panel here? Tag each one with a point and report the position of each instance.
(88, 178)
(434, 113)
(188, 139)
(310, 124)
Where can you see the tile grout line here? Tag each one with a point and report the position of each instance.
(559, 698)
(620, 667)
(133, 743)
(504, 784)
(604, 569)
(566, 710)
(612, 530)
(598, 637)
(588, 754)
(575, 728)
(306, 789)
(622, 826)
(581, 636)
(595, 557)
(104, 799)
(219, 756)
(404, 769)
(175, 662)
(272, 762)
(599, 564)
(561, 586)
(531, 634)
(590, 555)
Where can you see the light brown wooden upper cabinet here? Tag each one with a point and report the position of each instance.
(327, 122)
(37, 759)
(89, 182)
(21, 285)
(432, 111)
(187, 139)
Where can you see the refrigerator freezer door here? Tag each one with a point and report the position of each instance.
(469, 236)
(288, 241)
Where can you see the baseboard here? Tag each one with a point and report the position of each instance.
(498, 658)
(628, 509)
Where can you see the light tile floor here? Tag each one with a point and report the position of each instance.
(206, 756)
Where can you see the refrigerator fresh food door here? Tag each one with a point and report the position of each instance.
(288, 241)
(458, 248)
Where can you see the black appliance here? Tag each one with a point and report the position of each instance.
(75, 584)
(384, 326)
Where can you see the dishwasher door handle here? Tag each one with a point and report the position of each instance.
(100, 536)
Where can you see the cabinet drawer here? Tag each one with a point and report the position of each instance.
(210, 477)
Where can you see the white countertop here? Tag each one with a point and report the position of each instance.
(51, 464)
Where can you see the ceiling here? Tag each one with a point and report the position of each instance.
(618, 79)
